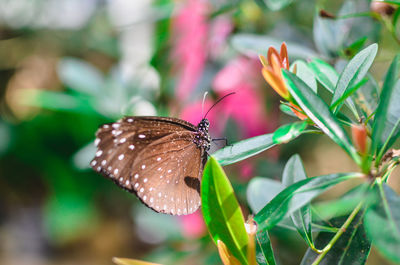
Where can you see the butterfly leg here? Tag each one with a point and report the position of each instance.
(221, 139)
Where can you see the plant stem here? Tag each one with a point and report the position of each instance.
(338, 234)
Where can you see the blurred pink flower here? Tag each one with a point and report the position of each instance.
(190, 31)
(221, 27)
(193, 225)
(246, 107)
(194, 112)
(246, 170)
(237, 71)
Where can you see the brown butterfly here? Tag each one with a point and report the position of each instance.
(160, 159)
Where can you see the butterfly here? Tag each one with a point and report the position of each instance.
(160, 159)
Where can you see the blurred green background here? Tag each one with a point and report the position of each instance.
(67, 66)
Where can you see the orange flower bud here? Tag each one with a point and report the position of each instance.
(382, 8)
(359, 133)
(226, 255)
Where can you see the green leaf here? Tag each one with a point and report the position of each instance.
(366, 98)
(67, 216)
(80, 76)
(325, 74)
(346, 95)
(244, 149)
(319, 113)
(221, 210)
(276, 5)
(265, 253)
(287, 110)
(304, 73)
(355, 47)
(394, 2)
(294, 172)
(351, 248)
(354, 72)
(255, 145)
(288, 132)
(344, 205)
(382, 222)
(57, 101)
(296, 196)
(387, 112)
(261, 191)
(254, 45)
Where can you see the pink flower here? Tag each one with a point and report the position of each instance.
(246, 107)
(193, 225)
(221, 27)
(190, 30)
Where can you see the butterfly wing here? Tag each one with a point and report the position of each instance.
(167, 175)
(155, 158)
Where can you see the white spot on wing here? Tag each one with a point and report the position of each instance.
(129, 120)
(121, 156)
(116, 171)
(141, 189)
(116, 125)
(127, 183)
(103, 163)
(93, 163)
(123, 140)
(98, 153)
(159, 159)
(142, 136)
(136, 176)
(145, 180)
(96, 142)
(131, 147)
(143, 166)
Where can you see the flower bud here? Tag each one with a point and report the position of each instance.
(382, 8)
(359, 133)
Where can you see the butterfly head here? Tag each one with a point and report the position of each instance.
(204, 125)
(202, 138)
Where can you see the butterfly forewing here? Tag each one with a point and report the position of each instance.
(154, 157)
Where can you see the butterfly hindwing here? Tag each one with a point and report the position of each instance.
(167, 176)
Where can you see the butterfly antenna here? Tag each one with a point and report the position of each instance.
(219, 100)
(204, 100)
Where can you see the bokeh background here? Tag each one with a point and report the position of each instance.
(67, 66)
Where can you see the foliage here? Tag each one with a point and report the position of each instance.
(335, 77)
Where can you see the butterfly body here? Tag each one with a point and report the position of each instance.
(160, 159)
